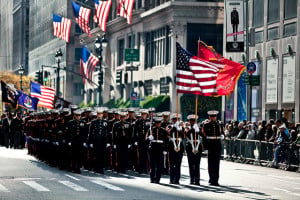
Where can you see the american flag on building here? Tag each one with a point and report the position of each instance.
(125, 9)
(88, 62)
(61, 27)
(82, 16)
(43, 93)
(102, 11)
(194, 75)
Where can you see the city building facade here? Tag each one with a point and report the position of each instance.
(274, 35)
(155, 28)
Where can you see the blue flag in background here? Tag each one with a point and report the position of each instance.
(27, 101)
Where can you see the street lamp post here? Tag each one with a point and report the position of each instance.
(99, 44)
(58, 57)
(21, 72)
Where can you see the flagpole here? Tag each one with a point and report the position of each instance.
(196, 117)
(177, 114)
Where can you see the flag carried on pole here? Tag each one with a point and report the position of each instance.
(201, 77)
(102, 11)
(61, 27)
(125, 9)
(43, 93)
(82, 16)
(27, 101)
(88, 62)
(9, 94)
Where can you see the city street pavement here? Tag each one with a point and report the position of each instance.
(24, 177)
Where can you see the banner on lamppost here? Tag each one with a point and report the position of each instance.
(234, 26)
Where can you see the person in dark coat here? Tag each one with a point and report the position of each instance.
(213, 135)
(194, 150)
(17, 130)
(158, 138)
(77, 131)
(97, 138)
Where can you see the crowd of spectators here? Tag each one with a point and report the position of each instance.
(281, 133)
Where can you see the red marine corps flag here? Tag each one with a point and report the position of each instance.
(204, 76)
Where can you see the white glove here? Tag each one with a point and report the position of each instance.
(107, 145)
(57, 143)
(69, 143)
(91, 145)
(129, 146)
(115, 146)
(151, 137)
(222, 137)
(196, 128)
(165, 153)
(136, 143)
(84, 144)
(177, 124)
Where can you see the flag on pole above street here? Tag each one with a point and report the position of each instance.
(125, 9)
(198, 76)
(88, 62)
(27, 101)
(9, 94)
(61, 27)
(82, 16)
(43, 93)
(102, 11)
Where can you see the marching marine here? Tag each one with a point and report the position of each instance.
(213, 136)
(194, 150)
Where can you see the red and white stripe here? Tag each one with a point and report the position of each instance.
(102, 11)
(46, 98)
(62, 29)
(125, 9)
(200, 79)
(83, 20)
(87, 69)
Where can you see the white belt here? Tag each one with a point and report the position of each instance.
(158, 141)
(213, 137)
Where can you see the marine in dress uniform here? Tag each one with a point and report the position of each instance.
(176, 149)
(141, 129)
(213, 136)
(77, 131)
(158, 138)
(132, 151)
(121, 137)
(194, 150)
(97, 138)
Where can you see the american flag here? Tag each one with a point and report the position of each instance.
(43, 93)
(82, 16)
(61, 27)
(125, 9)
(88, 62)
(195, 75)
(102, 11)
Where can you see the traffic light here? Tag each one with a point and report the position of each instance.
(38, 77)
(119, 77)
(46, 74)
(100, 78)
(126, 78)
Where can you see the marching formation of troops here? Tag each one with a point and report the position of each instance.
(142, 141)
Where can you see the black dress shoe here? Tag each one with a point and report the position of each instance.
(176, 183)
(215, 184)
(197, 184)
(152, 181)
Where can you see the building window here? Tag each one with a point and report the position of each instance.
(78, 89)
(259, 37)
(148, 87)
(290, 9)
(158, 51)
(273, 11)
(289, 29)
(164, 86)
(78, 52)
(273, 33)
(258, 13)
(131, 41)
(121, 45)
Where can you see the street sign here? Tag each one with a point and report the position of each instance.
(132, 68)
(134, 96)
(252, 80)
(251, 67)
(132, 55)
